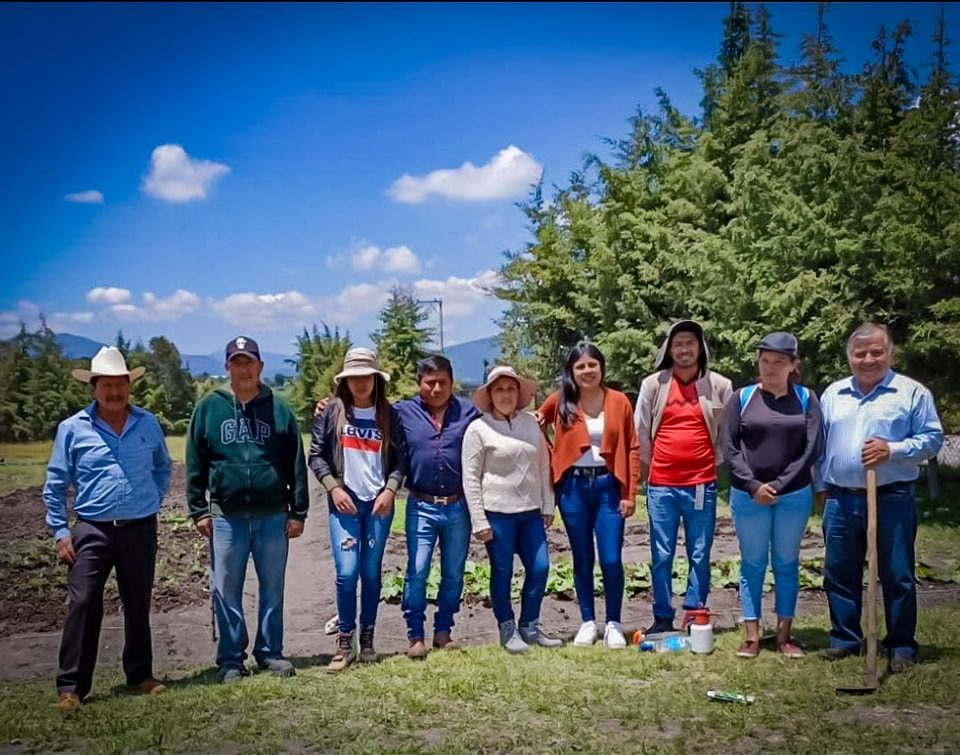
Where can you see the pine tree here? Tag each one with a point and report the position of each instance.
(401, 341)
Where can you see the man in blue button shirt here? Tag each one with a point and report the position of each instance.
(434, 424)
(115, 457)
(875, 418)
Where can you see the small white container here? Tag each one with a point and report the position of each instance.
(701, 638)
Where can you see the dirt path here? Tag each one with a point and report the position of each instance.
(182, 636)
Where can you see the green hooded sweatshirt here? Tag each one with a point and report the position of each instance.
(248, 456)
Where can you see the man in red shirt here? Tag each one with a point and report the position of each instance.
(678, 425)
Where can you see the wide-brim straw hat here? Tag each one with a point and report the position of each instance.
(108, 362)
(528, 388)
(360, 362)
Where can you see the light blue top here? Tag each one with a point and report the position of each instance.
(114, 477)
(898, 410)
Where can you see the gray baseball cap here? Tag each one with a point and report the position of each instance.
(781, 342)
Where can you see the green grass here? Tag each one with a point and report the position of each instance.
(482, 700)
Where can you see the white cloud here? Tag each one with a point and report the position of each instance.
(461, 296)
(394, 259)
(365, 258)
(29, 313)
(120, 303)
(174, 176)
(400, 259)
(108, 295)
(91, 196)
(267, 311)
(178, 304)
(509, 173)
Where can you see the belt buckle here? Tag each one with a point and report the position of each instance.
(443, 500)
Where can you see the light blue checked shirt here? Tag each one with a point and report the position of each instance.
(114, 476)
(898, 410)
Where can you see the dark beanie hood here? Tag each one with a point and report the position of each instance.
(665, 361)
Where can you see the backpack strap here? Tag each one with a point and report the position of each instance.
(746, 393)
(803, 394)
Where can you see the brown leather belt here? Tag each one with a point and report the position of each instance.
(439, 500)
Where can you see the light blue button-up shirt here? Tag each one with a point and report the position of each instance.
(898, 410)
(114, 477)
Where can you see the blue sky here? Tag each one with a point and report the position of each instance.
(200, 171)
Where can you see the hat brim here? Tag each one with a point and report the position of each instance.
(85, 376)
(254, 357)
(528, 389)
(360, 372)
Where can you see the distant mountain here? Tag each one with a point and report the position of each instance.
(78, 347)
(468, 359)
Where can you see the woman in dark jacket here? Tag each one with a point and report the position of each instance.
(771, 438)
(358, 454)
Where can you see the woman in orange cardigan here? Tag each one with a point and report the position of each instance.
(595, 468)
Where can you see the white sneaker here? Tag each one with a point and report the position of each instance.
(613, 636)
(332, 626)
(587, 634)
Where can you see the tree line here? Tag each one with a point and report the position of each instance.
(37, 390)
(799, 198)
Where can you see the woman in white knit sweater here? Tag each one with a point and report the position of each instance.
(506, 479)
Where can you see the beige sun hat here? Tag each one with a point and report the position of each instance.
(528, 388)
(359, 362)
(108, 362)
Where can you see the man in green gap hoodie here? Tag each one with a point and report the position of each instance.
(247, 493)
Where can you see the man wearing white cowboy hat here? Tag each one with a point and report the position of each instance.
(115, 457)
(244, 450)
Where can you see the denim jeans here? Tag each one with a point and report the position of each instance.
(234, 540)
(773, 531)
(426, 524)
(845, 537)
(357, 541)
(666, 506)
(522, 534)
(590, 506)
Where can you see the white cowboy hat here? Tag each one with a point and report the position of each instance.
(108, 362)
(528, 388)
(360, 362)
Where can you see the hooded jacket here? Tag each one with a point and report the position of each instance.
(713, 390)
(249, 457)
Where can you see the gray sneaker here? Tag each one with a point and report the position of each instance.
(533, 634)
(230, 675)
(277, 666)
(510, 638)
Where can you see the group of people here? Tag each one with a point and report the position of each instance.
(492, 469)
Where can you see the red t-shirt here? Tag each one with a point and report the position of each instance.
(682, 449)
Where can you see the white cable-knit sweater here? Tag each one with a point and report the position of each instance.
(506, 468)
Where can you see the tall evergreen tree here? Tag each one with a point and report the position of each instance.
(401, 340)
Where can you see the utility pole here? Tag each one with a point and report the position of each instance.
(439, 304)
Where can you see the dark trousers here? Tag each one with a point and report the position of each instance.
(844, 534)
(101, 546)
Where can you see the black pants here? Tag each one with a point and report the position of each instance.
(101, 546)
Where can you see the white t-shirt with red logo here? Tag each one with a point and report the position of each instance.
(362, 461)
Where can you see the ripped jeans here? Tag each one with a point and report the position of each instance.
(357, 541)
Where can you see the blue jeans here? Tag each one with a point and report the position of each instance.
(773, 531)
(234, 540)
(845, 537)
(524, 535)
(591, 506)
(426, 524)
(357, 541)
(666, 506)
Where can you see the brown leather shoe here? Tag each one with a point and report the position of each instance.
(67, 701)
(148, 686)
(417, 650)
(443, 641)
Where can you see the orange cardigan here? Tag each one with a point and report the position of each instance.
(619, 445)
